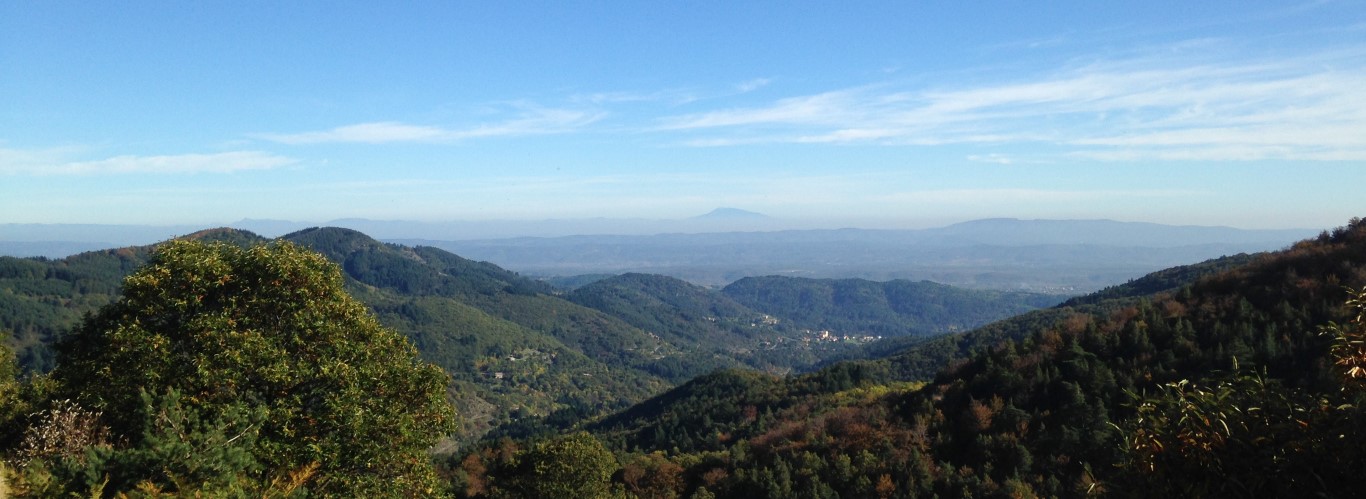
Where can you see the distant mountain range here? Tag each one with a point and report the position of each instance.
(1068, 256)
(58, 240)
(715, 249)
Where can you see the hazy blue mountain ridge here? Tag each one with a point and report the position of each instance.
(1068, 256)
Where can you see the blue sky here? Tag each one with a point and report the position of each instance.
(875, 114)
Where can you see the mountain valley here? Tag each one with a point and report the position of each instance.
(520, 350)
(783, 386)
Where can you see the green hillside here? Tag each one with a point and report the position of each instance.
(513, 351)
(1237, 388)
(42, 299)
(919, 359)
(523, 356)
(892, 308)
(713, 330)
(686, 313)
(1213, 379)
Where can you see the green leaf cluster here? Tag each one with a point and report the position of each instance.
(263, 342)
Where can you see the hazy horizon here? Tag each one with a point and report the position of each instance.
(880, 114)
(60, 240)
(705, 222)
(1052, 255)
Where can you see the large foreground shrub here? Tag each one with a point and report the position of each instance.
(254, 363)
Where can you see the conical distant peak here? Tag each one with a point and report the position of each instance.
(731, 213)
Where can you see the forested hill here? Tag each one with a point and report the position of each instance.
(42, 299)
(1208, 380)
(519, 351)
(892, 308)
(711, 324)
(412, 270)
(421, 272)
(1236, 387)
(921, 359)
(1165, 280)
(512, 349)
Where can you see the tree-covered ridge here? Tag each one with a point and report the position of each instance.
(1206, 389)
(494, 291)
(711, 329)
(1055, 394)
(522, 355)
(411, 270)
(685, 312)
(1164, 280)
(518, 354)
(920, 359)
(891, 308)
(698, 413)
(521, 370)
(1239, 393)
(42, 299)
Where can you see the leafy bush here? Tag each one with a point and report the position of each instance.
(260, 348)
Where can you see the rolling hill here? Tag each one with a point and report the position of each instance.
(1211, 379)
(521, 353)
(892, 308)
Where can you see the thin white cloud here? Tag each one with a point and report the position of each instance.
(57, 162)
(999, 159)
(612, 97)
(1029, 43)
(531, 121)
(1311, 108)
(370, 133)
(827, 108)
(675, 96)
(752, 85)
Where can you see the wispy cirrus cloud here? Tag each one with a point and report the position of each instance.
(1311, 108)
(59, 162)
(530, 121)
(371, 133)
